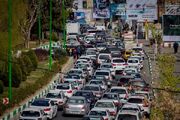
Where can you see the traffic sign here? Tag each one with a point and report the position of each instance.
(5, 101)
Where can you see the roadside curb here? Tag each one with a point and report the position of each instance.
(41, 93)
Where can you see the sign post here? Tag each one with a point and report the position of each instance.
(5, 101)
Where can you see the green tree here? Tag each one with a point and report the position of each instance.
(31, 54)
(23, 68)
(28, 64)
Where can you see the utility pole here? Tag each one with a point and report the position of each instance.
(39, 22)
(50, 41)
(10, 49)
(64, 25)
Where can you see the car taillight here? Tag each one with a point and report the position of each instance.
(69, 91)
(60, 102)
(113, 64)
(105, 118)
(47, 109)
(112, 113)
(125, 64)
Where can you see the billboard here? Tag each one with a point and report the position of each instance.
(101, 9)
(118, 9)
(171, 27)
(172, 9)
(141, 10)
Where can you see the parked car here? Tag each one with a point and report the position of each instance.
(47, 105)
(76, 105)
(33, 114)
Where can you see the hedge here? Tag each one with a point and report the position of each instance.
(31, 54)
(1, 87)
(28, 63)
(20, 94)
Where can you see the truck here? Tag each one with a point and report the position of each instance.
(73, 28)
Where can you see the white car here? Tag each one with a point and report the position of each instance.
(91, 53)
(57, 97)
(89, 68)
(98, 82)
(107, 66)
(134, 62)
(118, 63)
(75, 78)
(101, 46)
(47, 105)
(138, 49)
(128, 115)
(67, 88)
(100, 112)
(102, 57)
(141, 101)
(75, 71)
(140, 59)
(33, 114)
(128, 71)
(89, 38)
(86, 58)
(104, 73)
(122, 91)
(107, 105)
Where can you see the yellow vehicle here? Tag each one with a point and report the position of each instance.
(127, 54)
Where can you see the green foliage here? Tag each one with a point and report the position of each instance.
(28, 64)
(16, 75)
(19, 94)
(1, 87)
(156, 114)
(31, 54)
(54, 37)
(23, 68)
(166, 64)
(59, 54)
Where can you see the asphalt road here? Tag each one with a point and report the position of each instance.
(146, 75)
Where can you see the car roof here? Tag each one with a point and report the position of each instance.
(118, 87)
(92, 85)
(100, 70)
(98, 109)
(32, 109)
(55, 91)
(105, 100)
(145, 92)
(128, 112)
(136, 96)
(127, 105)
(42, 99)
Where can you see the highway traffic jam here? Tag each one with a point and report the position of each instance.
(105, 83)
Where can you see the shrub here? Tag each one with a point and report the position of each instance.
(31, 54)
(1, 87)
(23, 68)
(41, 54)
(59, 53)
(16, 75)
(54, 37)
(28, 64)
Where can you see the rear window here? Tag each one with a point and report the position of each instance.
(63, 87)
(85, 94)
(96, 82)
(126, 117)
(135, 100)
(120, 91)
(76, 101)
(104, 105)
(106, 66)
(102, 73)
(110, 96)
(93, 88)
(30, 114)
(40, 103)
(98, 113)
(118, 61)
(104, 57)
(137, 83)
(132, 61)
(53, 95)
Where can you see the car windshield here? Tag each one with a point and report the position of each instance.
(40, 103)
(110, 96)
(138, 83)
(102, 73)
(137, 49)
(96, 82)
(119, 91)
(75, 72)
(91, 53)
(106, 66)
(72, 77)
(76, 101)
(63, 87)
(118, 61)
(132, 61)
(130, 109)
(84, 94)
(101, 45)
(135, 100)
(53, 95)
(30, 114)
(104, 105)
(93, 88)
(98, 113)
(104, 57)
(126, 117)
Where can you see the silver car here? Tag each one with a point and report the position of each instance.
(76, 105)
(32, 114)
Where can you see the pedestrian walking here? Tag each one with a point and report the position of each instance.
(175, 46)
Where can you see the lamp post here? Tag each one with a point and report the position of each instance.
(10, 49)
(64, 25)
